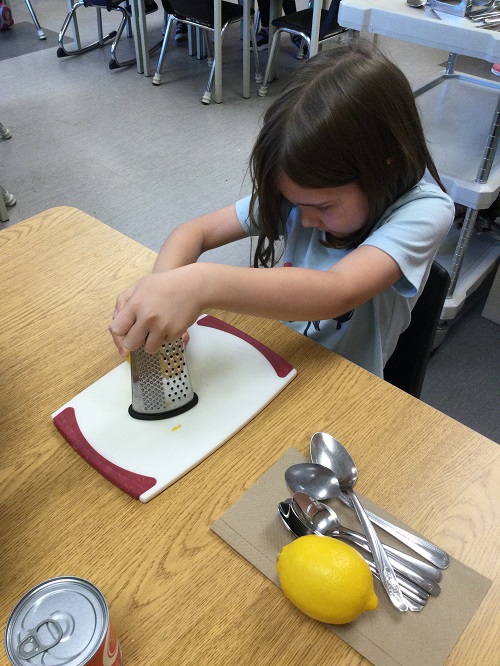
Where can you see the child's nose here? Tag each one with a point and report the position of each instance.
(308, 219)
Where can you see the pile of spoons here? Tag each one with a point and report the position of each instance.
(487, 17)
(423, 4)
(408, 581)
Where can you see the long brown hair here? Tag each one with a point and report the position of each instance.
(347, 115)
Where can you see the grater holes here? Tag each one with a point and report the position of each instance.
(162, 379)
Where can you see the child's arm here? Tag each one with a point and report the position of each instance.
(189, 241)
(163, 305)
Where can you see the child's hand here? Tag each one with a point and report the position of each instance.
(123, 298)
(121, 301)
(159, 308)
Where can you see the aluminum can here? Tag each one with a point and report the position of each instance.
(63, 621)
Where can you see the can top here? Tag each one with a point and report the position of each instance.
(62, 621)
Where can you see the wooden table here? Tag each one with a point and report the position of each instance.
(177, 593)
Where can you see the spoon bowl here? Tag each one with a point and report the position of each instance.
(329, 452)
(326, 450)
(322, 517)
(313, 479)
(422, 4)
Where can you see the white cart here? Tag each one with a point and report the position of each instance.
(461, 118)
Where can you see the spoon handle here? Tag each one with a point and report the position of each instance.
(411, 593)
(384, 567)
(416, 598)
(413, 604)
(399, 564)
(426, 549)
(433, 12)
(424, 569)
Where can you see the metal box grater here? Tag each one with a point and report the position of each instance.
(161, 385)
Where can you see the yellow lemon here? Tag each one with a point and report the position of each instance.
(326, 579)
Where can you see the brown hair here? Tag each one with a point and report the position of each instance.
(347, 115)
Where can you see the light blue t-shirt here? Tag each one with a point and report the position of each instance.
(410, 231)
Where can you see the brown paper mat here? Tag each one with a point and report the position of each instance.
(385, 637)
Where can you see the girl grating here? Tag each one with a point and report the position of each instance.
(344, 221)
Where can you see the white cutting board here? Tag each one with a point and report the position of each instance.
(234, 376)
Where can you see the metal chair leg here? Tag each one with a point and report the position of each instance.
(253, 37)
(41, 34)
(270, 63)
(4, 213)
(114, 63)
(157, 76)
(207, 47)
(62, 51)
(207, 95)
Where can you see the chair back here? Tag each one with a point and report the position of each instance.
(301, 21)
(330, 20)
(407, 366)
(199, 11)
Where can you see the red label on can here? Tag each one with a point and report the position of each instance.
(65, 621)
(109, 654)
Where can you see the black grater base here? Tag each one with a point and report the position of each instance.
(163, 415)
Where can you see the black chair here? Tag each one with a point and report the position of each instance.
(200, 14)
(407, 366)
(300, 23)
(120, 6)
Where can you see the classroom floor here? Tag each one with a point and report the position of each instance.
(143, 159)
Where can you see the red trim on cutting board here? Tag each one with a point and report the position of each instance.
(130, 482)
(281, 367)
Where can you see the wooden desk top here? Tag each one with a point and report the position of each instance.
(177, 593)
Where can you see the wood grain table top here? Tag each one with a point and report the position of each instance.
(177, 593)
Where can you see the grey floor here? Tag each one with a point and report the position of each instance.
(143, 159)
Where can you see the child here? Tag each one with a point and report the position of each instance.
(337, 173)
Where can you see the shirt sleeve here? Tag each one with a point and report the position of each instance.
(412, 231)
(243, 213)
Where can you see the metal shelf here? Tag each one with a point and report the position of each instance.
(461, 119)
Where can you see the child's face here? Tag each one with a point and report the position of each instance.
(341, 210)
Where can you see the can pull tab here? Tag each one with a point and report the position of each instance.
(32, 644)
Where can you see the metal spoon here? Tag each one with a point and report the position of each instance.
(324, 519)
(483, 16)
(422, 4)
(326, 450)
(327, 527)
(320, 482)
(485, 8)
(415, 598)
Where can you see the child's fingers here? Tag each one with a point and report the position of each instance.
(153, 342)
(118, 340)
(122, 299)
(119, 328)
